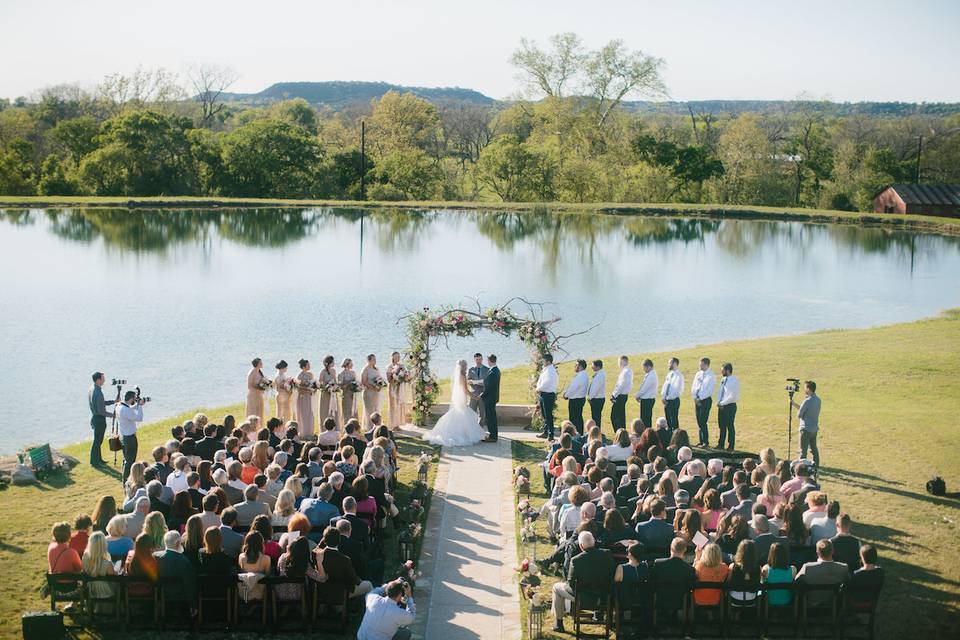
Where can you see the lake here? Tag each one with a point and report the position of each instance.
(180, 301)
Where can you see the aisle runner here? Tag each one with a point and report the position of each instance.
(468, 589)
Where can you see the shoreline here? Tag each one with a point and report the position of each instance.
(893, 222)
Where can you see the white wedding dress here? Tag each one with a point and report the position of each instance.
(460, 425)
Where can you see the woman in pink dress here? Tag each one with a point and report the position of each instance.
(257, 384)
(369, 378)
(328, 401)
(284, 386)
(346, 379)
(305, 391)
(397, 392)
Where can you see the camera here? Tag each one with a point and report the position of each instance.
(140, 398)
(117, 382)
(794, 385)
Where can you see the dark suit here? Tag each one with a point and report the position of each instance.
(359, 529)
(359, 445)
(180, 570)
(656, 533)
(490, 398)
(206, 447)
(159, 505)
(98, 421)
(846, 549)
(232, 541)
(592, 570)
(478, 374)
(196, 498)
(763, 543)
(672, 570)
(341, 577)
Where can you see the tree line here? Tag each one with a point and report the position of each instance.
(567, 137)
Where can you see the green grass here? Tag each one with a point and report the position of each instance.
(29, 512)
(891, 397)
(912, 222)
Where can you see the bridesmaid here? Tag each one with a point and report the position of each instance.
(328, 401)
(255, 382)
(306, 389)
(346, 379)
(371, 390)
(397, 391)
(284, 386)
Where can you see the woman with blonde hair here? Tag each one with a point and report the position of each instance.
(96, 563)
(155, 527)
(710, 568)
(771, 496)
(768, 461)
(397, 392)
(247, 472)
(622, 447)
(347, 378)
(136, 480)
(285, 508)
(118, 544)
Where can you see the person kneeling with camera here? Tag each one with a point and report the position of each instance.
(129, 414)
(389, 609)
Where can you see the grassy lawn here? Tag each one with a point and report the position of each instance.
(29, 512)
(932, 224)
(891, 400)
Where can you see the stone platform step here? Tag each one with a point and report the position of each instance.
(508, 415)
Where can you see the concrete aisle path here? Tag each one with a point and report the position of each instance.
(468, 589)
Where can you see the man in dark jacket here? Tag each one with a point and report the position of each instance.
(677, 577)
(656, 533)
(208, 444)
(592, 570)
(174, 567)
(342, 578)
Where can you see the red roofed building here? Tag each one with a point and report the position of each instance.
(922, 199)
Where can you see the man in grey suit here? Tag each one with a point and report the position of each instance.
(251, 507)
(764, 538)
(232, 541)
(98, 417)
(822, 572)
(134, 521)
(744, 507)
(475, 377)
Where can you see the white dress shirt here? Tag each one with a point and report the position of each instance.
(648, 388)
(177, 481)
(673, 385)
(624, 382)
(129, 417)
(598, 385)
(729, 390)
(548, 380)
(577, 389)
(703, 383)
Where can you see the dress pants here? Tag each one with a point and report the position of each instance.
(596, 410)
(726, 415)
(703, 414)
(490, 412)
(671, 410)
(618, 412)
(99, 425)
(130, 445)
(809, 440)
(646, 411)
(547, 402)
(575, 408)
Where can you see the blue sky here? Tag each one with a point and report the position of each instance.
(839, 50)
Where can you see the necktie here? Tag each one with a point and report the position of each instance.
(723, 387)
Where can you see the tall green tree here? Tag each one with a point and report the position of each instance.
(270, 159)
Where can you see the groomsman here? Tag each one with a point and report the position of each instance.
(621, 391)
(547, 395)
(576, 394)
(670, 394)
(727, 405)
(597, 392)
(647, 395)
(702, 393)
(475, 377)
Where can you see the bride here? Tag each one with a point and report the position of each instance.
(460, 425)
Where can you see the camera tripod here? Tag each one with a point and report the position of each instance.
(790, 393)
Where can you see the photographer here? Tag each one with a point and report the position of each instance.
(808, 413)
(129, 414)
(98, 417)
(387, 616)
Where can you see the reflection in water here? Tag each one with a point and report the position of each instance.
(403, 230)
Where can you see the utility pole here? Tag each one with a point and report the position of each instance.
(363, 160)
(919, 151)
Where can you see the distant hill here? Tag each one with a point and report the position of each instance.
(338, 94)
(717, 107)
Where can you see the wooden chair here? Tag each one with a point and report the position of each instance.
(140, 591)
(114, 601)
(720, 608)
(632, 607)
(65, 587)
(791, 610)
(213, 591)
(320, 605)
(736, 608)
(658, 626)
(277, 604)
(859, 604)
(587, 604)
(165, 604)
(825, 614)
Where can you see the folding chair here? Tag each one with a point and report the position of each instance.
(719, 609)
(743, 598)
(659, 609)
(277, 603)
(859, 604)
(820, 614)
(214, 591)
(65, 587)
(790, 610)
(320, 604)
(166, 603)
(632, 610)
(113, 602)
(588, 604)
(140, 592)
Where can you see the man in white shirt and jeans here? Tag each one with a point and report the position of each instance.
(385, 618)
(702, 393)
(621, 391)
(129, 414)
(547, 395)
(597, 392)
(576, 394)
(670, 394)
(727, 406)
(647, 395)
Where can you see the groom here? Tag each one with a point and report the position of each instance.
(490, 397)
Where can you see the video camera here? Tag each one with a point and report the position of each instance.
(794, 385)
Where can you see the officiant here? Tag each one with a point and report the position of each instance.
(475, 377)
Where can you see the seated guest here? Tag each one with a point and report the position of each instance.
(81, 533)
(823, 572)
(351, 548)
(208, 515)
(284, 509)
(260, 481)
(133, 522)
(97, 563)
(160, 466)
(678, 441)
(664, 435)
(205, 471)
(366, 503)
(61, 557)
(728, 496)
(714, 472)
(351, 437)
(106, 508)
(712, 510)
(298, 527)
(628, 484)
(778, 570)
(294, 563)
(223, 481)
(270, 547)
(196, 493)
(793, 528)
(633, 589)
(744, 573)
(118, 544)
(359, 529)
(341, 576)
(208, 445)
(797, 483)
(177, 481)
(688, 524)
(255, 564)
(141, 563)
(156, 527)
(329, 435)
(816, 507)
(174, 567)
(231, 540)
(656, 532)
(248, 470)
(869, 577)
(731, 532)
(154, 491)
(681, 499)
(675, 576)
(568, 518)
(710, 568)
(693, 477)
(336, 481)
(386, 615)
(213, 561)
(770, 497)
(615, 529)
(764, 537)
(756, 482)
(180, 511)
(622, 448)
(846, 548)
(744, 506)
(318, 510)
(592, 570)
(251, 507)
(274, 485)
(826, 527)
(192, 540)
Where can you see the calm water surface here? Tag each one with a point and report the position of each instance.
(180, 301)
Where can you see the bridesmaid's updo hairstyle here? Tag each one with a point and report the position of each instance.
(327, 361)
(346, 361)
(256, 362)
(303, 362)
(282, 364)
(370, 357)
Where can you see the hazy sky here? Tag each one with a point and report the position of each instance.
(835, 49)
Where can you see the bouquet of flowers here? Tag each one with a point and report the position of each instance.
(308, 387)
(380, 382)
(287, 385)
(407, 571)
(423, 462)
(264, 384)
(356, 387)
(331, 387)
(403, 375)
